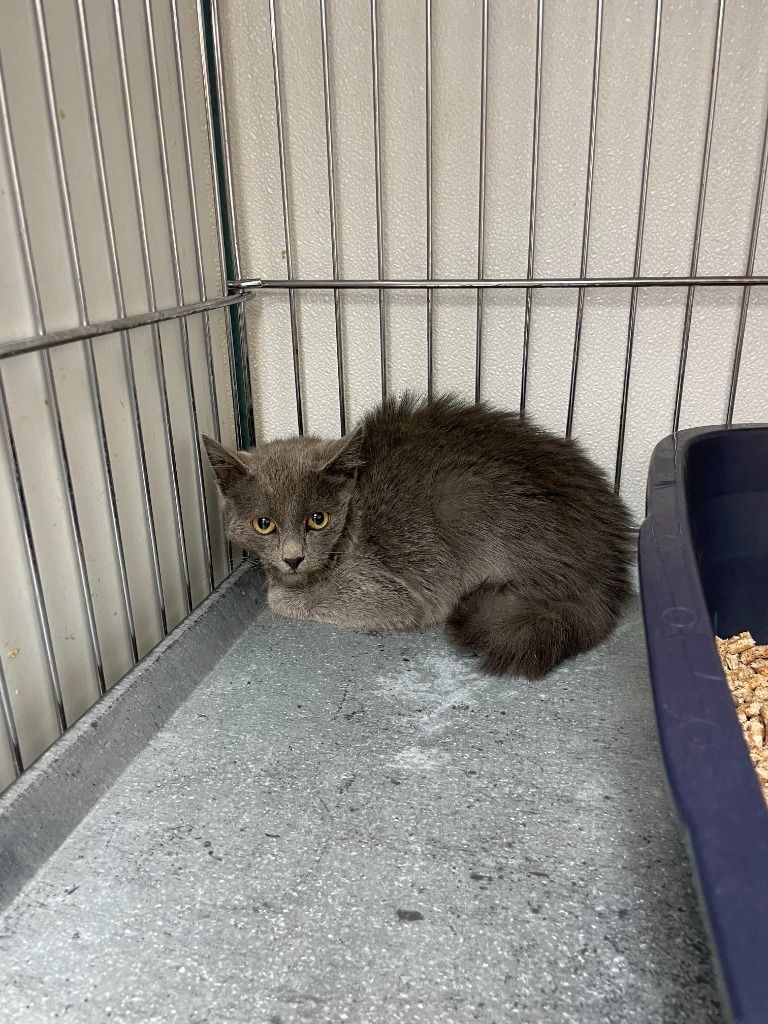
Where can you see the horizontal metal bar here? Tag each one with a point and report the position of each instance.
(260, 284)
(126, 323)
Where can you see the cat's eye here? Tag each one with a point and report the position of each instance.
(263, 525)
(317, 521)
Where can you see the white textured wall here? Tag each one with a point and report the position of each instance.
(687, 38)
(21, 647)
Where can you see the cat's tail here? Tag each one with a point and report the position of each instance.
(529, 636)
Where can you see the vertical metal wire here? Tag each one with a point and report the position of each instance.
(210, 134)
(205, 70)
(286, 214)
(534, 192)
(22, 512)
(6, 431)
(48, 376)
(109, 224)
(638, 242)
(738, 351)
(195, 216)
(179, 293)
(218, 127)
(377, 174)
(481, 200)
(699, 213)
(332, 214)
(196, 233)
(9, 724)
(90, 361)
(430, 264)
(149, 284)
(587, 214)
(50, 385)
(77, 533)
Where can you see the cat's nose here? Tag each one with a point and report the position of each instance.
(294, 563)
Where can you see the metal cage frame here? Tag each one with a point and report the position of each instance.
(236, 288)
(120, 327)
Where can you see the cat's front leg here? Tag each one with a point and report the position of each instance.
(374, 600)
(310, 604)
(292, 604)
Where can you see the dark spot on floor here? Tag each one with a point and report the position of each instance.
(410, 915)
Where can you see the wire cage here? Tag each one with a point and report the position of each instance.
(249, 219)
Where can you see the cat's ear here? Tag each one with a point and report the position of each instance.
(228, 466)
(347, 458)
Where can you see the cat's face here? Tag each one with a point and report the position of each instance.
(287, 501)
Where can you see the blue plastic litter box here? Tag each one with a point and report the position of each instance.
(704, 570)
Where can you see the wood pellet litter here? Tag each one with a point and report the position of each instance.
(746, 669)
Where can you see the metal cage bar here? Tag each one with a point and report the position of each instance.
(48, 374)
(654, 76)
(195, 215)
(52, 398)
(332, 213)
(22, 511)
(43, 342)
(198, 245)
(93, 380)
(94, 331)
(150, 291)
(699, 212)
(378, 184)
(587, 215)
(236, 289)
(9, 724)
(534, 196)
(744, 310)
(286, 213)
(221, 168)
(428, 187)
(159, 118)
(519, 283)
(121, 324)
(481, 196)
(209, 66)
(29, 545)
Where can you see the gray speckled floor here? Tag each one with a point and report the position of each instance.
(341, 827)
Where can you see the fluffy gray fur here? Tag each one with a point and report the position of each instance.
(438, 512)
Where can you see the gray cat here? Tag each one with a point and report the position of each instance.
(436, 512)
